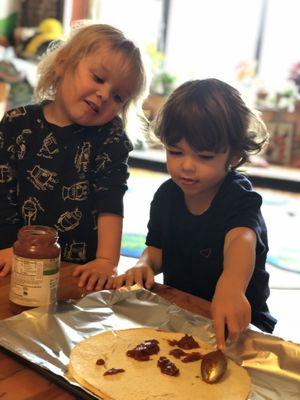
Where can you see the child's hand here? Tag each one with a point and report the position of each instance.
(95, 275)
(144, 276)
(229, 307)
(6, 257)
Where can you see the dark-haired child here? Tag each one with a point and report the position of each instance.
(206, 232)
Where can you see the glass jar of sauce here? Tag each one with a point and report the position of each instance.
(36, 264)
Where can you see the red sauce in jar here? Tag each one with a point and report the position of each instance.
(37, 241)
(36, 264)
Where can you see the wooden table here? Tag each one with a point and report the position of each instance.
(19, 381)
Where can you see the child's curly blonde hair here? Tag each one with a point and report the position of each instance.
(83, 42)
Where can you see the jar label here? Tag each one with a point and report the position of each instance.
(34, 281)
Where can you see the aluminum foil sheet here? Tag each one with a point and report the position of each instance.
(45, 336)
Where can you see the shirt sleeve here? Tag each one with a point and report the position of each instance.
(110, 173)
(154, 235)
(245, 211)
(10, 220)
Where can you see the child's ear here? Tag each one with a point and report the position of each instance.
(59, 64)
(235, 158)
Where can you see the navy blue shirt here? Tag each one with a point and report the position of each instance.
(192, 246)
(60, 177)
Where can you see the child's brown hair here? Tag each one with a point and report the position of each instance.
(211, 115)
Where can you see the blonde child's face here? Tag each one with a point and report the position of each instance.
(199, 174)
(95, 92)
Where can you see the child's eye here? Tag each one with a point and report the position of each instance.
(118, 98)
(206, 156)
(174, 152)
(98, 78)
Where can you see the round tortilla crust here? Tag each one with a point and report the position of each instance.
(143, 379)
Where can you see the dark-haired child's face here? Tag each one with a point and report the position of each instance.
(199, 174)
(95, 92)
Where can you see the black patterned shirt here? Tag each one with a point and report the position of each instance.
(60, 177)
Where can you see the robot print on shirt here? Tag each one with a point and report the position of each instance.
(101, 162)
(79, 191)
(75, 252)
(115, 135)
(42, 178)
(6, 174)
(17, 112)
(21, 142)
(30, 208)
(82, 157)
(68, 220)
(49, 147)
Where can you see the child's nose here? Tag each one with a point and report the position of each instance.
(188, 164)
(103, 92)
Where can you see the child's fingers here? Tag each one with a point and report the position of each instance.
(78, 270)
(129, 277)
(233, 332)
(138, 276)
(97, 280)
(149, 282)
(235, 327)
(119, 281)
(100, 282)
(109, 283)
(219, 325)
(6, 267)
(84, 276)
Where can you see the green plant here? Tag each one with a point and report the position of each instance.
(167, 78)
(163, 81)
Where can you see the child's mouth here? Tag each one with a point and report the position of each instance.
(188, 181)
(92, 106)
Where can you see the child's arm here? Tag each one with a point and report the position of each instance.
(97, 274)
(229, 305)
(6, 256)
(148, 265)
(10, 220)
